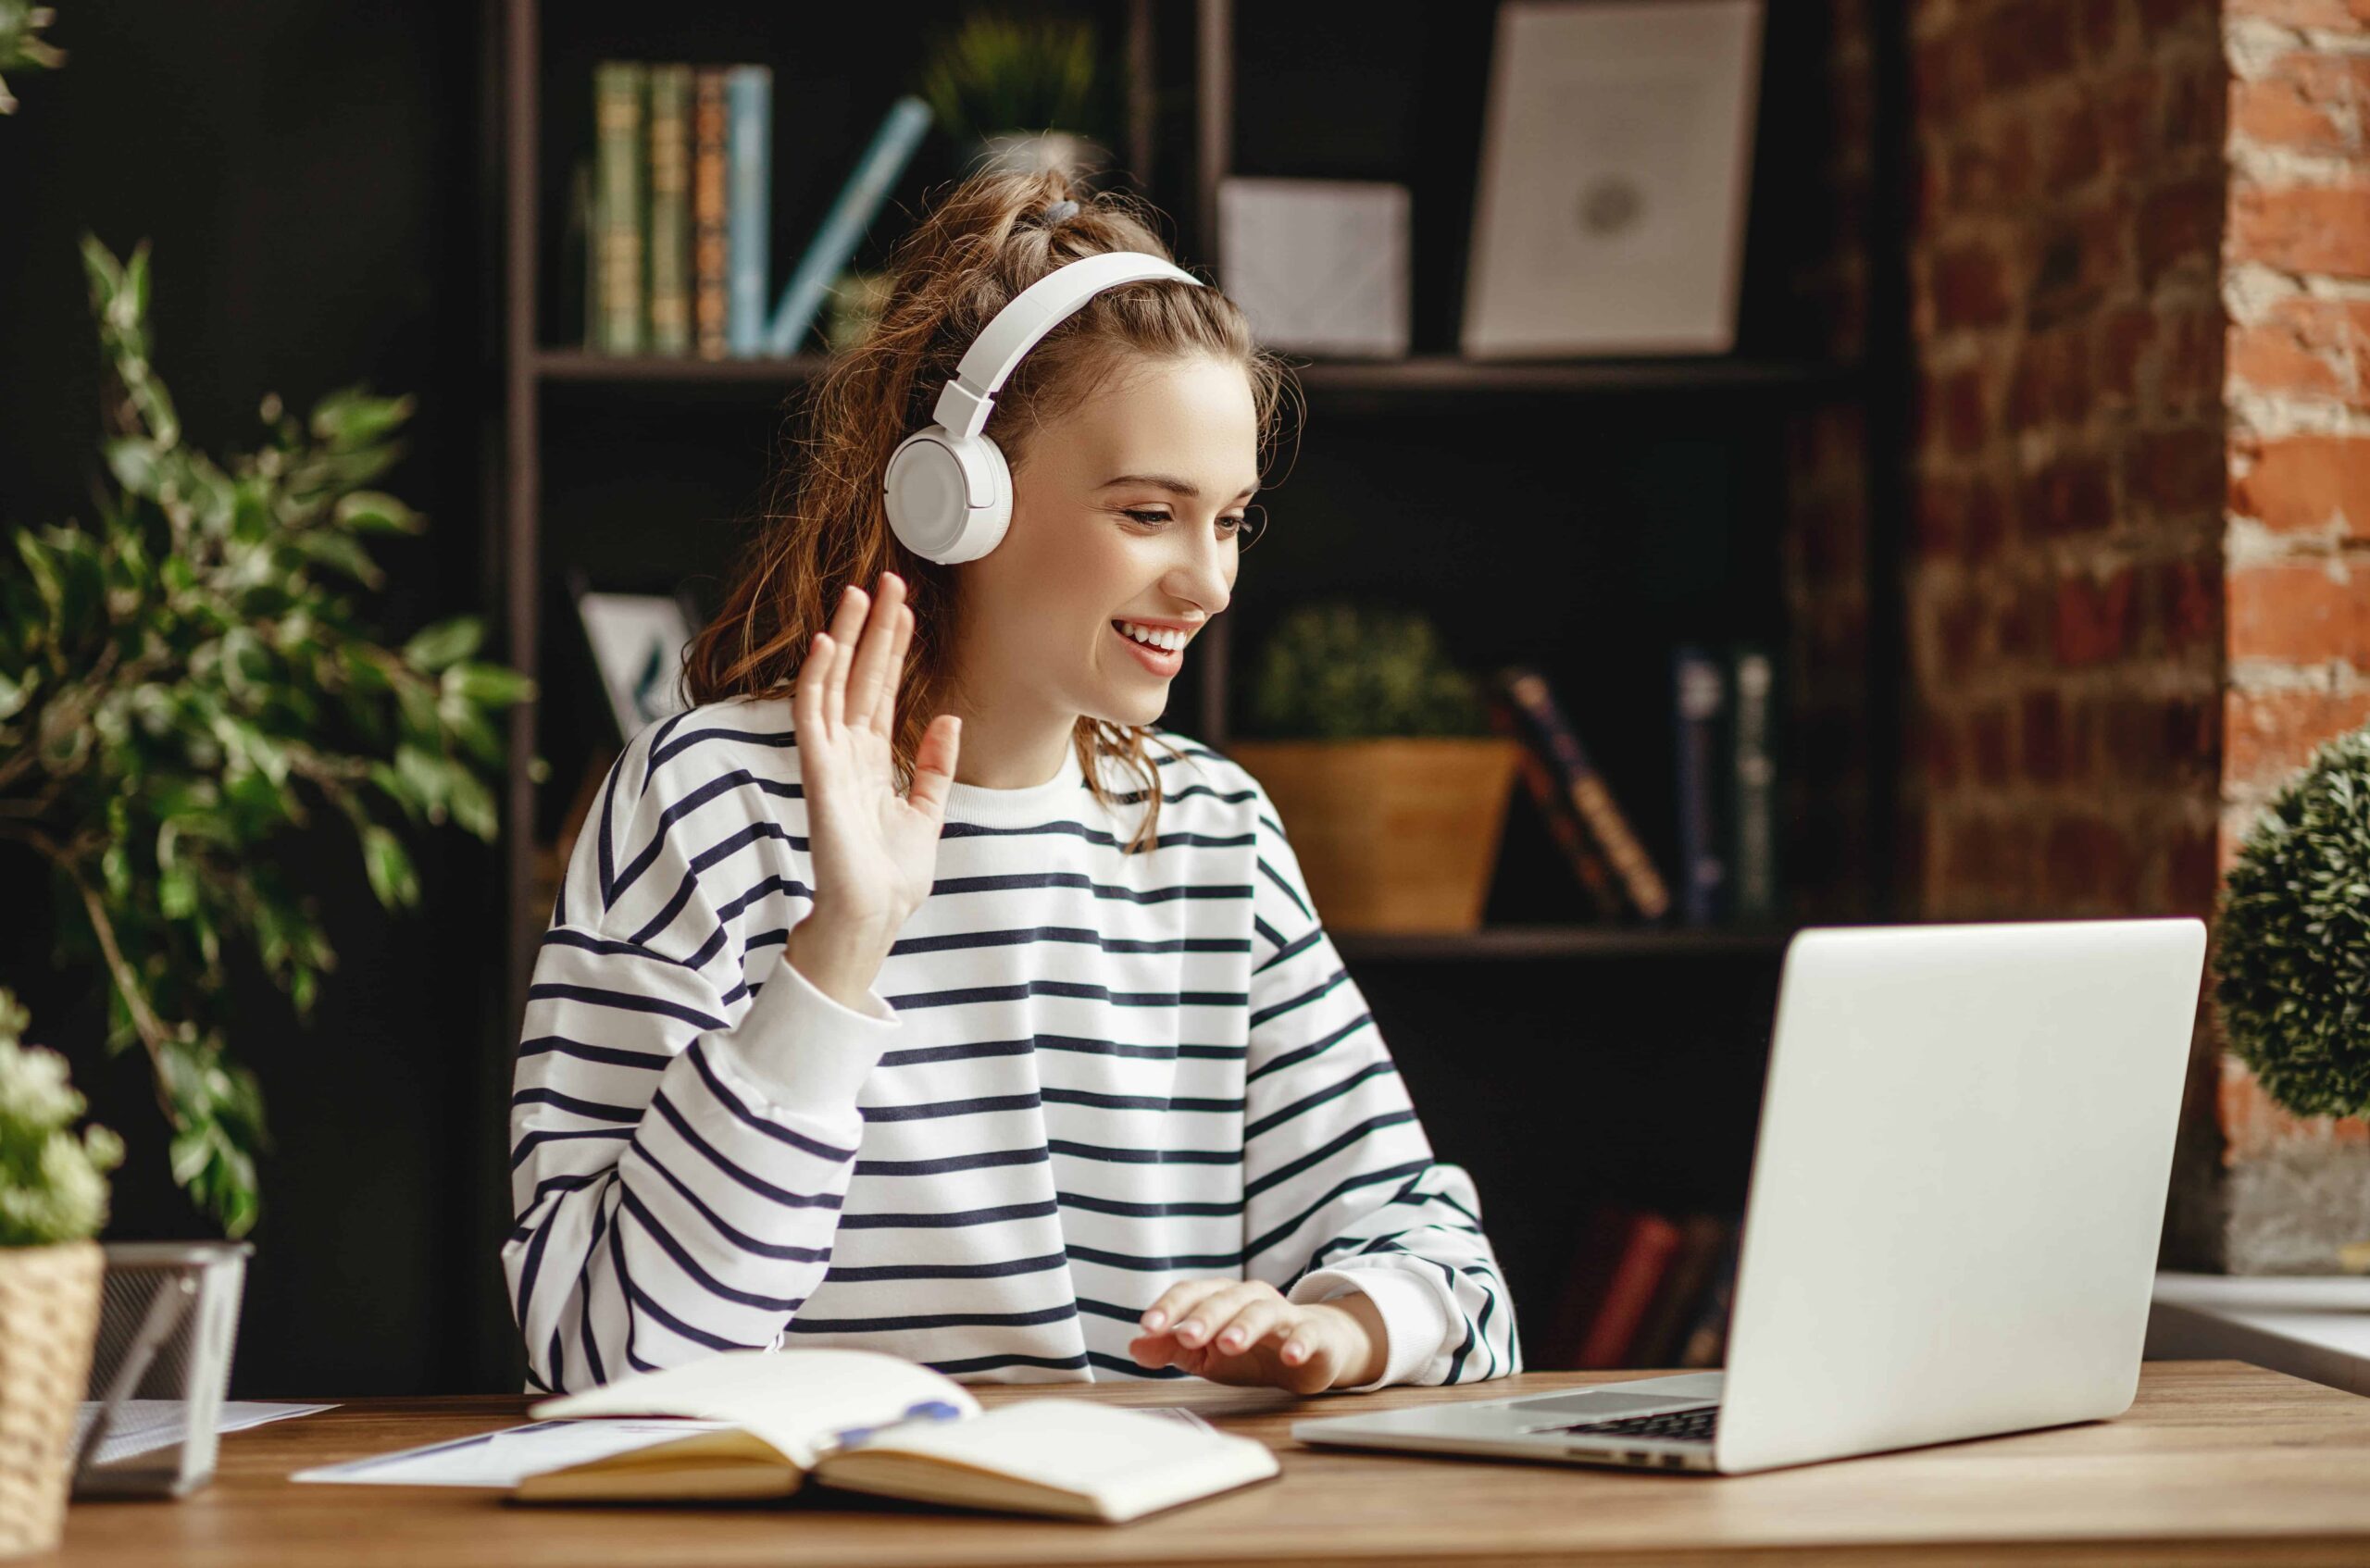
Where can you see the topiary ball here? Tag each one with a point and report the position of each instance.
(2292, 960)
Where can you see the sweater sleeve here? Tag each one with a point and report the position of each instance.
(1341, 1188)
(679, 1142)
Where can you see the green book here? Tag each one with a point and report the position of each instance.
(620, 201)
(669, 237)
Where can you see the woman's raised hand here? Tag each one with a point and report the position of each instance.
(874, 852)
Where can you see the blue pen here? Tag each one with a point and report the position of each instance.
(927, 1410)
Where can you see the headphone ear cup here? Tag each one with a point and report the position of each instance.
(929, 489)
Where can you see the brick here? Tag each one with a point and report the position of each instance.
(2121, 337)
(2306, 345)
(2189, 371)
(1939, 748)
(2024, 42)
(1952, 415)
(2179, 225)
(2303, 612)
(1969, 283)
(2308, 483)
(2176, 474)
(2305, 101)
(2193, 110)
(2092, 868)
(1984, 524)
(2189, 604)
(2192, 866)
(2021, 629)
(2268, 735)
(2322, 228)
(2126, 108)
(2094, 619)
(2040, 735)
(2071, 495)
(2076, 155)
(1940, 503)
(1987, 742)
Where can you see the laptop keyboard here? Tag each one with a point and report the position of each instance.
(1694, 1425)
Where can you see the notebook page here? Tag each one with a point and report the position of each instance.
(797, 1400)
(1129, 1463)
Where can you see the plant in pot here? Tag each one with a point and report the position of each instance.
(1376, 751)
(186, 684)
(1020, 93)
(2291, 960)
(53, 1201)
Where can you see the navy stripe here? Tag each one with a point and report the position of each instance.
(1062, 1313)
(1214, 1210)
(657, 741)
(782, 739)
(957, 941)
(954, 1220)
(627, 1001)
(1298, 902)
(774, 1130)
(684, 1261)
(741, 1238)
(717, 1158)
(528, 1144)
(1278, 1118)
(1010, 882)
(1157, 1265)
(1318, 1047)
(723, 784)
(575, 1107)
(997, 1363)
(987, 1161)
(1266, 1015)
(1145, 1156)
(1349, 1185)
(608, 1055)
(985, 1105)
(909, 1002)
(1002, 1269)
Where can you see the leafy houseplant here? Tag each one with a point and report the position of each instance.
(1376, 751)
(2292, 949)
(185, 683)
(53, 1200)
(1019, 93)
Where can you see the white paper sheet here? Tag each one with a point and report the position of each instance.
(507, 1457)
(144, 1425)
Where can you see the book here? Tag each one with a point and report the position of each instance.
(1753, 852)
(668, 240)
(749, 140)
(711, 259)
(1637, 1274)
(1663, 1334)
(851, 213)
(1700, 696)
(1569, 789)
(619, 92)
(864, 1421)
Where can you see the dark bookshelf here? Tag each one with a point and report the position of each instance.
(1581, 515)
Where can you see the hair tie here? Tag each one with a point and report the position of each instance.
(1060, 210)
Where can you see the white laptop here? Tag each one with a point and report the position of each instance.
(1966, 1144)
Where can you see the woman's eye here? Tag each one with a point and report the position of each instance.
(1147, 517)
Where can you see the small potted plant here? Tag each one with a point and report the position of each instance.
(53, 1201)
(2292, 938)
(1020, 94)
(1376, 751)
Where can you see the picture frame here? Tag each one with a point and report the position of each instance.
(637, 642)
(1617, 161)
(1320, 266)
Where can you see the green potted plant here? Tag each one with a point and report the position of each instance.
(1019, 93)
(2291, 958)
(1376, 751)
(53, 1201)
(185, 683)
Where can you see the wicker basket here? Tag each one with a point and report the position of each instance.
(1393, 834)
(49, 1314)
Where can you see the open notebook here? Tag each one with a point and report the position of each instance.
(873, 1422)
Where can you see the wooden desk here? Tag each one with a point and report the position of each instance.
(2216, 1462)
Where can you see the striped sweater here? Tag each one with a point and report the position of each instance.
(1081, 1077)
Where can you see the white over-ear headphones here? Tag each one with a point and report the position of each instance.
(947, 486)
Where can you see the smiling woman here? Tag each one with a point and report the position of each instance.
(916, 991)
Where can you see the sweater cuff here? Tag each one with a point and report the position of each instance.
(804, 1051)
(1414, 1325)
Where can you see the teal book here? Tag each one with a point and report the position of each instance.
(749, 140)
(834, 245)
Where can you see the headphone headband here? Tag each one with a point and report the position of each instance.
(965, 405)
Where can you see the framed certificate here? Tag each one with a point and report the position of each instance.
(1617, 153)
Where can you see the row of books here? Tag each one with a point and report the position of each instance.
(1645, 1289)
(1726, 804)
(677, 213)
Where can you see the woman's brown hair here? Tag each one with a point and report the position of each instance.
(825, 524)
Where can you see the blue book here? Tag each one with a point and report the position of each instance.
(748, 163)
(835, 243)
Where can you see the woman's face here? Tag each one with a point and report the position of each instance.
(1124, 508)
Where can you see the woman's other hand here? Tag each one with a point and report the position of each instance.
(1243, 1331)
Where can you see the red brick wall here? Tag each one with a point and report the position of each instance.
(2065, 604)
(2138, 594)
